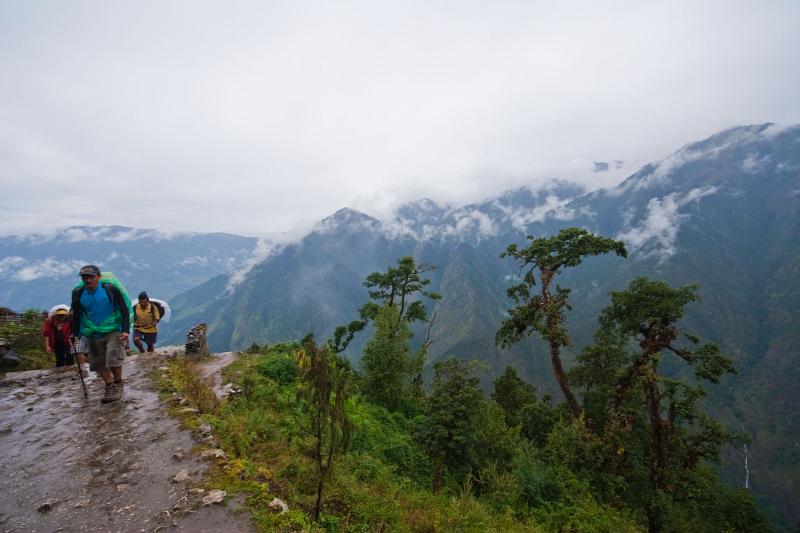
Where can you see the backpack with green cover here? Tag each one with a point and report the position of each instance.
(109, 277)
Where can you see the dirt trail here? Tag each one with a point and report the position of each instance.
(212, 370)
(67, 464)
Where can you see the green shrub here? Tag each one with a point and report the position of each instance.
(279, 367)
(387, 436)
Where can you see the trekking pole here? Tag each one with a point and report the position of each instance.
(80, 373)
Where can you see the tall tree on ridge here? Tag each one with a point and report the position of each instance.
(680, 435)
(543, 313)
(395, 287)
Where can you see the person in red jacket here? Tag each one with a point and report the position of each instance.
(56, 331)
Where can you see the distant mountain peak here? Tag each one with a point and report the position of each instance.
(733, 152)
(347, 214)
(726, 138)
(347, 219)
(422, 207)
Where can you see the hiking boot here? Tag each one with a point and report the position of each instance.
(109, 393)
(116, 393)
(113, 393)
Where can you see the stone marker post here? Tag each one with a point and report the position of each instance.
(196, 341)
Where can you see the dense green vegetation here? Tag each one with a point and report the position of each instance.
(733, 231)
(26, 338)
(373, 449)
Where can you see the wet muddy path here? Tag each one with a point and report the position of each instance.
(70, 464)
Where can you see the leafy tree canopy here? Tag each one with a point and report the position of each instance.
(398, 286)
(544, 313)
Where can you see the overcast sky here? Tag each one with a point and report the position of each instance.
(260, 118)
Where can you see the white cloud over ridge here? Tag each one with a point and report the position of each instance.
(513, 210)
(19, 269)
(118, 234)
(8, 265)
(259, 117)
(755, 163)
(777, 128)
(520, 218)
(197, 260)
(553, 207)
(237, 271)
(663, 169)
(657, 233)
(471, 222)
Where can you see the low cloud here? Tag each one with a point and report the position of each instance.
(461, 224)
(114, 234)
(775, 129)
(754, 163)
(553, 207)
(389, 102)
(261, 252)
(521, 218)
(425, 220)
(563, 212)
(659, 172)
(471, 222)
(76, 234)
(657, 233)
(194, 260)
(18, 269)
(10, 264)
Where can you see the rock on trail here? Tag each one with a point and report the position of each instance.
(68, 464)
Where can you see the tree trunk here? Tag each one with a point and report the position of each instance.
(656, 444)
(318, 506)
(437, 477)
(320, 466)
(653, 522)
(555, 357)
(656, 452)
(561, 376)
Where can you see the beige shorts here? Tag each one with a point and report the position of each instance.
(106, 352)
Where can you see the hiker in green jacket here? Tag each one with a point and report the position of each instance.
(101, 314)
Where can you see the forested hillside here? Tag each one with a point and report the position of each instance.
(722, 213)
(374, 448)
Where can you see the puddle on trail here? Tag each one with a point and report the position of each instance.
(70, 464)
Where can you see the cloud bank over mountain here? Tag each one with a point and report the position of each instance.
(258, 118)
(657, 233)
